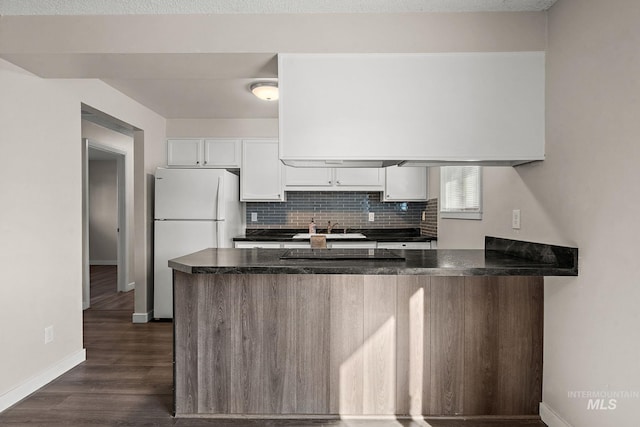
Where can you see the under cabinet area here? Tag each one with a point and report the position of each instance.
(207, 153)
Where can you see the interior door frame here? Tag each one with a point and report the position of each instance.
(122, 247)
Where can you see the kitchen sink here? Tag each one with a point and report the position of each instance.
(331, 236)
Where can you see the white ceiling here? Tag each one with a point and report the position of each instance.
(205, 85)
(171, 7)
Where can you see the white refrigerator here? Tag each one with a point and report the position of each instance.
(194, 209)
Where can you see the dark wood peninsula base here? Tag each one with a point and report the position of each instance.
(440, 332)
(354, 345)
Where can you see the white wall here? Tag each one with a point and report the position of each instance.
(149, 152)
(103, 212)
(41, 224)
(125, 144)
(585, 194)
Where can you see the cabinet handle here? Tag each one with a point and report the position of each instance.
(338, 182)
(330, 182)
(197, 163)
(205, 162)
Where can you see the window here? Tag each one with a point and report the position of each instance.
(461, 192)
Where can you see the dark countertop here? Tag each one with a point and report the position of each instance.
(372, 234)
(505, 260)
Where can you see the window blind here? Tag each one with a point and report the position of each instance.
(461, 193)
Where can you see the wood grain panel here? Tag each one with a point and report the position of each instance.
(520, 328)
(413, 343)
(447, 345)
(380, 345)
(312, 343)
(186, 343)
(279, 355)
(214, 357)
(247, 344)
(480, 345)
(346, 345)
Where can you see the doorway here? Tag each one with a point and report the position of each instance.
(104, 218)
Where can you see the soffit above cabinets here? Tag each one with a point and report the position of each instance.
(200, 66)
(447, 108)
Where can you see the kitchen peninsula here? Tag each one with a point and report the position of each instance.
(438, 332)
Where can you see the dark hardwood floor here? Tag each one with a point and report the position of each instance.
(127, 378)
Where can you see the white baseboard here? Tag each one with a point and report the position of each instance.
(103, 262)
(551, 417)
(142, 317)
(131, 286)
(14, 396)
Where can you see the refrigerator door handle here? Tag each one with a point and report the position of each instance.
(219, 235)
(220, 204)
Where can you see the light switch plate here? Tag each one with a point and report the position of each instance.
(48, 334)
(254, 216)
(372, 216)
(515, 219)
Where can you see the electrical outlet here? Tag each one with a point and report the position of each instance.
(254, 216)
(424, 216)
(515, 219)
(48, 334)
(372, 216)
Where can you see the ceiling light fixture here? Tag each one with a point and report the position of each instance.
(267, 91)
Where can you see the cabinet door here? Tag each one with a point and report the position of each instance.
(222, 153)
(307, 177)
(405, 184)
(261, 178)
(184, 152)
(362, 177)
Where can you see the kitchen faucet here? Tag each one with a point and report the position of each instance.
(332, 226)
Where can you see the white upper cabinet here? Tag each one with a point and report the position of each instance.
(207, 153)
(359, 177)
(333, 179)
(261, 177)
(439, 107)
(308, 177)
(405, 184)
(222, 153)
(184, 152)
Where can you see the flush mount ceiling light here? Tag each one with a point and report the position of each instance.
(267, 91)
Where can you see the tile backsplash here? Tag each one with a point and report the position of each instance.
(349, 209)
